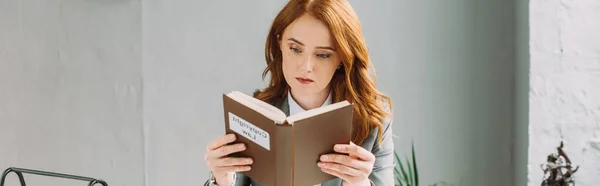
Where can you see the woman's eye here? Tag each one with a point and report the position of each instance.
(296, 50)
(323, 56)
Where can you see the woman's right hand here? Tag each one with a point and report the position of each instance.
(223, 167)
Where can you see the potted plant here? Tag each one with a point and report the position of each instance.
(406, 172)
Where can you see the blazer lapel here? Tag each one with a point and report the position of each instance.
(284, 106)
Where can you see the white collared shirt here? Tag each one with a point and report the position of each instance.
(295, 107)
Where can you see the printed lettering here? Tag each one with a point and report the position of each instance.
(249, 131)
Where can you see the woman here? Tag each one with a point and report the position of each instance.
(316, 55)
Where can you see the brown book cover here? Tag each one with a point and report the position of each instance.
(286, 149)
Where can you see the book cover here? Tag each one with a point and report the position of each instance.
(286, 152)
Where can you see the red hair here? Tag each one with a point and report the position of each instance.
(351, 83)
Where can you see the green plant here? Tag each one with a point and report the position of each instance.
(406, 176)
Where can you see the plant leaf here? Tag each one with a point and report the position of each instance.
(398, 176)
(404, 175)
(414, 159)
(410, 173)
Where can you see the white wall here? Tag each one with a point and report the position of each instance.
(194, 52)
(521, 125)
(447, 65)
(565, 86)
(159, 67)
(70, 90)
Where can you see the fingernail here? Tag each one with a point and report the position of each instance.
(337, 147)
(248, 160)
(241, 147)
(324, 157)
(231, 136)
(320, 164)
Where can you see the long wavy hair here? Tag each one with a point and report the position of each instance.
(351, 83)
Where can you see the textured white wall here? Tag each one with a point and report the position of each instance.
(565, 85)
(70, 89)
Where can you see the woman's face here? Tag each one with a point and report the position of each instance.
(309, 56)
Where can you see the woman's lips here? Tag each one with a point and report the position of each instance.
(304, 80)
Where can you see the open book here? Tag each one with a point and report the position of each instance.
(286, 149)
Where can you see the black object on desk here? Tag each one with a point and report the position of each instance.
(20, 171)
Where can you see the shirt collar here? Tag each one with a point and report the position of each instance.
(295, 108)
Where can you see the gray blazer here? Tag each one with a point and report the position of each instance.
(383, 170)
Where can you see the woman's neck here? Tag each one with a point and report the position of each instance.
(311, 101)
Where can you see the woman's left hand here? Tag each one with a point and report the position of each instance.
(354, 166)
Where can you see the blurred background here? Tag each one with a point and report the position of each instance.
(130, 91)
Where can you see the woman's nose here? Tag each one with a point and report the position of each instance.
(308, 64)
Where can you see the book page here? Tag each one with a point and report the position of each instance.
(313, 112)
(265, 109)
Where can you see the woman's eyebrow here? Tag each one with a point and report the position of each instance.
(320, 47)
(328, 48)
(294, 40)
